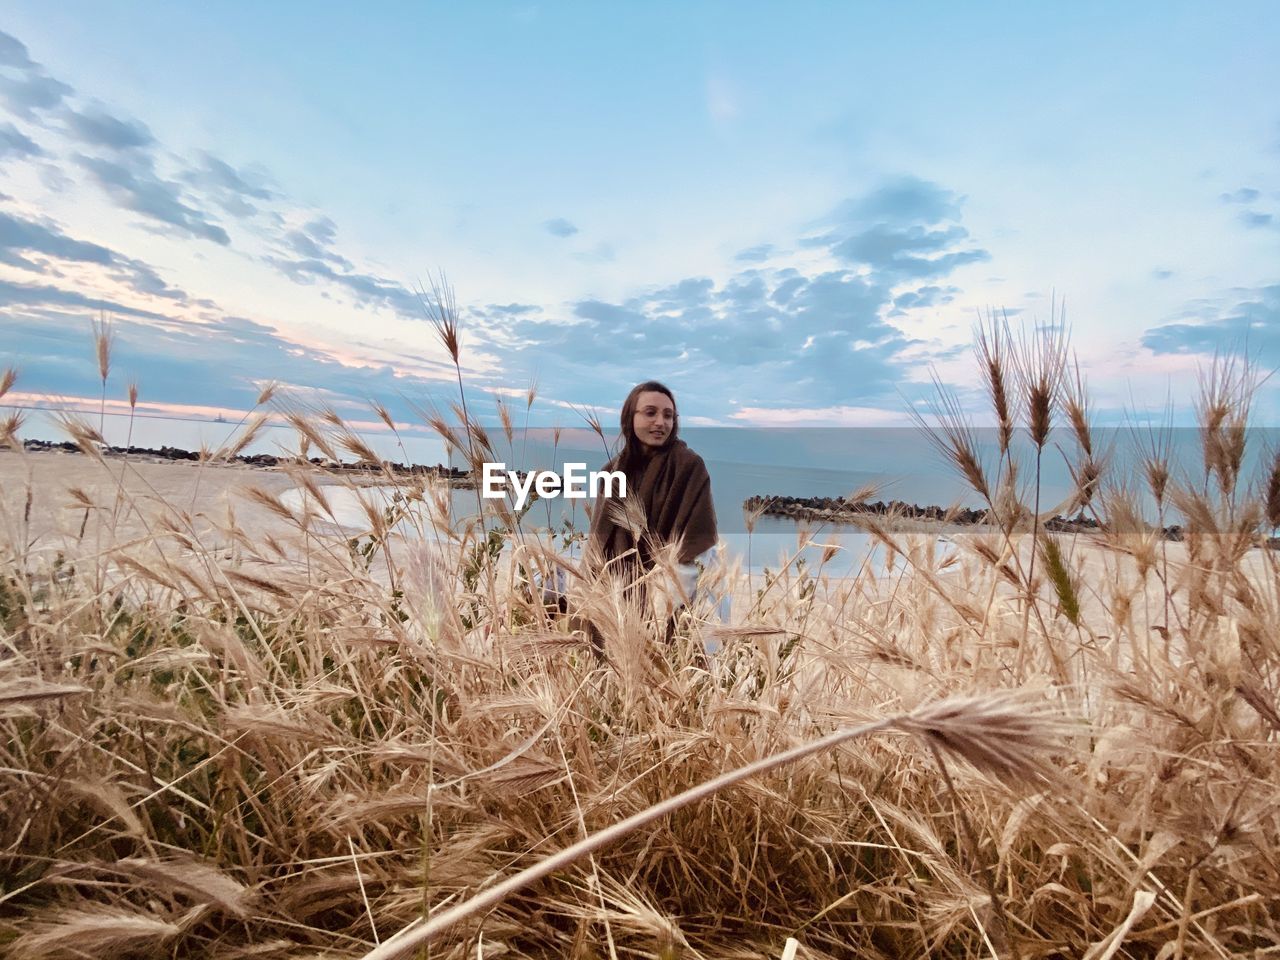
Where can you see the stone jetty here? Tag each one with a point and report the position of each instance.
(266, 460)
(843, 510)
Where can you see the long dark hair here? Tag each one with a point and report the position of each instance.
(632, 453)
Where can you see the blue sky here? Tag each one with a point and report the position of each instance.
(789, 214)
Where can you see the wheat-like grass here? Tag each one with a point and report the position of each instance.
(953, 436)
(992, 344)
(996, 734)
(242, 732)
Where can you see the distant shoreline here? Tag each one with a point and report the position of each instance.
(264, 461)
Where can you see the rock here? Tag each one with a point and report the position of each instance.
(841, 510)
(265, 460)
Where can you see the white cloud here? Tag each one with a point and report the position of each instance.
(837, 416)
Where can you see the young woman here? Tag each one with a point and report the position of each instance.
(666, 480)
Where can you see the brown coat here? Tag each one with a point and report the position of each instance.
(675, 491)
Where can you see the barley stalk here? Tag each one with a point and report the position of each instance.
(997, 734)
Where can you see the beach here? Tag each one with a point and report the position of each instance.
(62, 484)
(82, 504)
(46, 495)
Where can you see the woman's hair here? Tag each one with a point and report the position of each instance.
(632, 451)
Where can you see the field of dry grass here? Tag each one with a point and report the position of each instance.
(243, 734)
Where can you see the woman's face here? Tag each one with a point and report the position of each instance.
(654, 420)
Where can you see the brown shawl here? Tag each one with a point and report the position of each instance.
(675, 491)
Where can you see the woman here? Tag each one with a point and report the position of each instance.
(666, 480)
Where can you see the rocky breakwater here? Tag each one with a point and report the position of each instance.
(843, 510)
(266, 460)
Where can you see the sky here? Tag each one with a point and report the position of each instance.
(789, 214)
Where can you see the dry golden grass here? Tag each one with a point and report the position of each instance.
(222, 742)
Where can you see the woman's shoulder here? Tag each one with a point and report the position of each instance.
(690, 457)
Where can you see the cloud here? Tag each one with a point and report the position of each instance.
(560, 227)
(221, 174)
(13, 142)
(756, 254)
(613, 316)
(96, 127)
(906, 252)
(220, 362)
(132, 179)
(32, 89)
(690, 292)
(142, 278)
(810, 340)
(906, 230)
(1252, 219)
(1251, 325)
(508, 309)
(929, 296)
(314, 241)
(229, 188)
(41, 295)
(32, 93)
(17, 234)
(1243, 195)
(123, 158)
(309, 258)
(188, 199)
(838, 415)
(13, 53)
(882, 245)
(138, 188)
(366, 288)
(20, 237)
(904, 199)
(299, 241)
(785, 292)
(826, 343)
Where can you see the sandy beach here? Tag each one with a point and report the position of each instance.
(54, 501)
(57, 502)
(46, 496)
